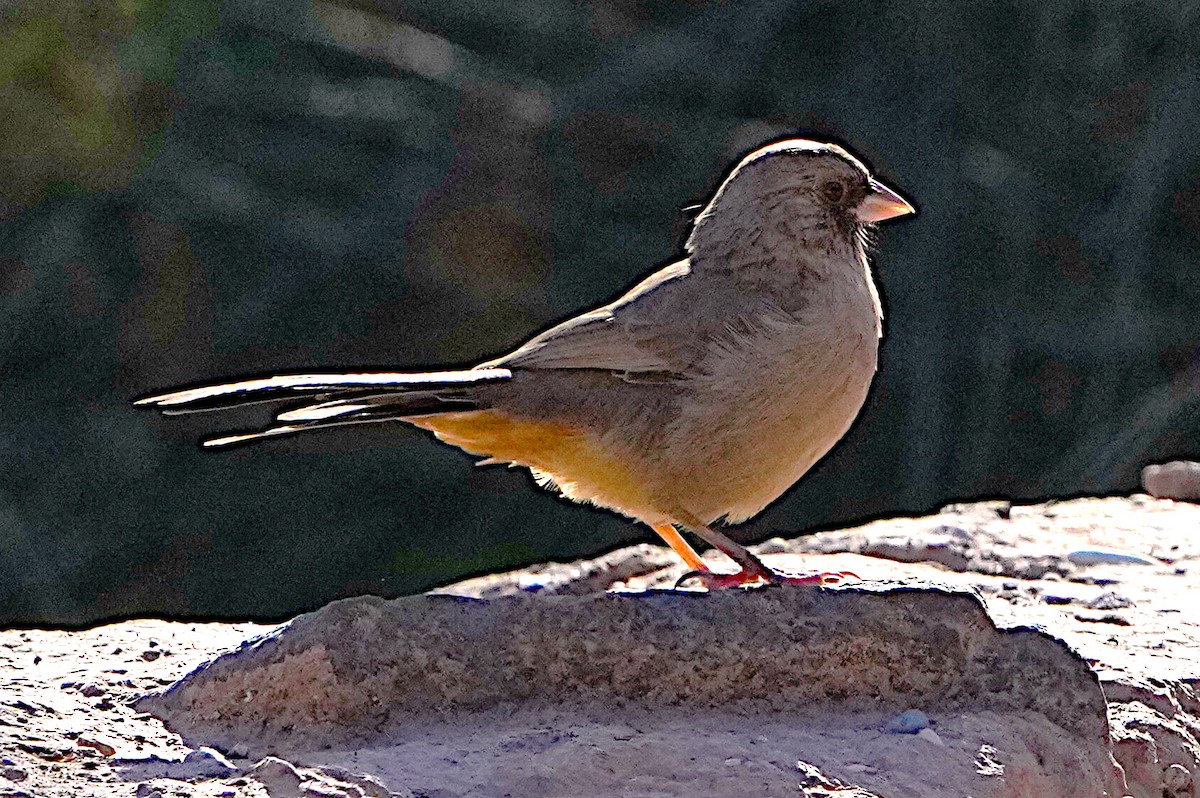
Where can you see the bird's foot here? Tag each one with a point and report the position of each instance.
(762, 576)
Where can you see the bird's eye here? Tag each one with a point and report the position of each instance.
(834, 191)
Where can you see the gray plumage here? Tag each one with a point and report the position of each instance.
(713, 384)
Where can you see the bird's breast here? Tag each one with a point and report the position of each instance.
(773, 401)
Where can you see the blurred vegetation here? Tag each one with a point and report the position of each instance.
(191, 191)
(87, 89)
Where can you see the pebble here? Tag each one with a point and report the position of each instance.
(43, 749)
(531, 583)
(14, 774)
(1112, 618)
(910, 721)
(1177, 480)
(1108, 601)
(150, 655)
(1098, 556)
(930, 736)
(102, 747)
(732, 762)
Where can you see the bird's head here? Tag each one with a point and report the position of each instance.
(812, 193)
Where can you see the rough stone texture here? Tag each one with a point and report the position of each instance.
(1115, 579)
(524, 670)
(362, 664)
(1133, 614)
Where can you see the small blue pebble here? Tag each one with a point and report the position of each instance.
(1106, 557)
(910, 721)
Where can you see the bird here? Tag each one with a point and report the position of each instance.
(693, 400)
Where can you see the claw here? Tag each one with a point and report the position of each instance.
(748, 578)
(820, 578)
(711, 580)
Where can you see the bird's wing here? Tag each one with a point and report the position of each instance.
(629, 335)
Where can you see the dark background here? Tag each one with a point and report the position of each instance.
(191, 192)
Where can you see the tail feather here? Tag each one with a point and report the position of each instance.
(336, 407)
(289, 386)
(320, 401)
(286, 429)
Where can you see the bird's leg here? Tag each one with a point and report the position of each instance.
(753, 570)
(671, 535)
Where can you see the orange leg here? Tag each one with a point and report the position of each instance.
(753, 571)
(675, 540)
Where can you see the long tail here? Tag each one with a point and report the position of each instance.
(320, 401)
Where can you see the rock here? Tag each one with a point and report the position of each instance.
(13, 773)
(987, 762)
(1109, 617)
(92, 690)
(200, 763)
(48, 751)
(279, 778)
(361, 784)
(949, 545)
(1108, 601)
(204, 762)
(364, 661)
(1177, 781)
(99, 745)
(910, 721)
(446, 673)
(574, 733)
(1176, 480)
(815, 784)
